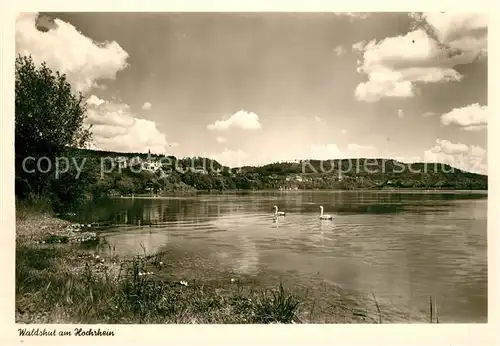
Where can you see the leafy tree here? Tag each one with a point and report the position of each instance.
(48, 122)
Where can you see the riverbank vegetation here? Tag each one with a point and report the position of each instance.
(62, 282)
(346, 174)
(60, 278)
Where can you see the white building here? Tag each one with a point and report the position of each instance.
(150, 165)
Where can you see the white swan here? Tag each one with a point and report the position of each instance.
(324, 216)
(278, 213)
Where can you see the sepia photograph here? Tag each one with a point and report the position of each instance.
(250, 168)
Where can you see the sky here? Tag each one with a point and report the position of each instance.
(255, 88)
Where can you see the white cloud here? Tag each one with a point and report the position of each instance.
(358, 47)
(94, 101)
(401, 113)
(361, 151)
(231, 158)
(146, 106)
(317, 119)
(324, 152)
(473, 117)
(359, 147)
(116, 128)
(447, 147)
(469, 158)
(427, 54)
(241, 119)
(332, 151)
(474, 127)
(464, 31)
(220, 139)
(343, 131)
(360, 15)
(86, 63)
(339, 50)
(68, 51)
(101, 112)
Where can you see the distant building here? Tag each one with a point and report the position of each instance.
(150, 165)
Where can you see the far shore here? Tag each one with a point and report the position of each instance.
(216, 192)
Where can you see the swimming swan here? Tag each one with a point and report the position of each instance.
(324, 216)
(278, 213)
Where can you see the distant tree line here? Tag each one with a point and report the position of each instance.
(49, 122)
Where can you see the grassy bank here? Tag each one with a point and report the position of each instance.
(57, 281)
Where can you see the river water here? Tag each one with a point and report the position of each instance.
(401, 247)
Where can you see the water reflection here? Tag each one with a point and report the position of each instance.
(403, 246)
(248, 261)
(326, 225)
(135, 242)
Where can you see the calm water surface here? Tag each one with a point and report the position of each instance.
(402, 246)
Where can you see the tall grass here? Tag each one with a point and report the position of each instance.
(32, 205)
(276, 306)
(49, 290)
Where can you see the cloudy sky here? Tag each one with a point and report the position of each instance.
(254, 88)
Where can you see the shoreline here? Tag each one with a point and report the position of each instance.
(63, 282)
(180, 195)
(82, 287)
